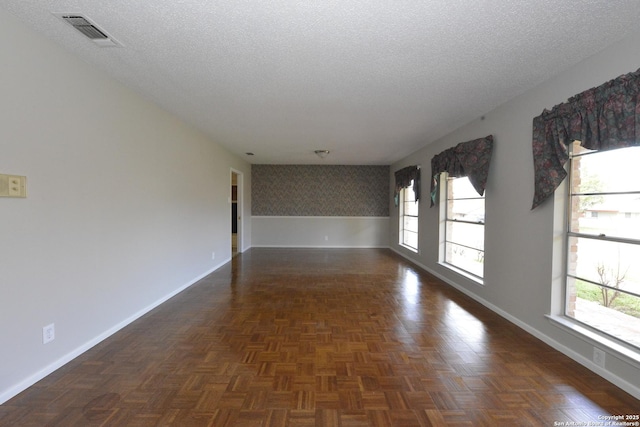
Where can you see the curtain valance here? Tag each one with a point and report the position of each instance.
(404, 177)
(602, 118)
(470, 159)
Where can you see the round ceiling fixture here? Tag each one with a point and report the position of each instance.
(322, 153)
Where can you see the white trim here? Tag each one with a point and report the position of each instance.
(596, 338)
(320, 247)
(409, 248)
(587, 363)
(239, 205)
(473, 278)
(31, 380)
(318, 217)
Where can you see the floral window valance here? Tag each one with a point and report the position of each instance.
(602, 118)
(470, 159)
(404, 177)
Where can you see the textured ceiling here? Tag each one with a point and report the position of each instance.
(370, 80)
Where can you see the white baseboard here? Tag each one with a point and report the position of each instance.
(320, 247)
(587, 363)
(31, 380)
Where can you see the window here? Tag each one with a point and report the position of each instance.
(603, 242)
(464, 226)
(408, 218)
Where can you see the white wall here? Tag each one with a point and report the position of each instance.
(316, 232)
(125, 206)
(519, 242)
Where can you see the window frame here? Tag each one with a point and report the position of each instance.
(402, 214)
(445, 222)
(626, 348)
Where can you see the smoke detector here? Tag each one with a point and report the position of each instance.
(89, 29)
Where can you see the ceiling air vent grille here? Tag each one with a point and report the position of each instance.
(85, 27)
(89, 29)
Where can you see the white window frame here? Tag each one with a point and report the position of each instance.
(581, 325)
(446, 223)
(402, 231)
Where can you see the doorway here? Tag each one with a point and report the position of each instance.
(236, 212)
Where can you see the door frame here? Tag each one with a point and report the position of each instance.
(239, 201)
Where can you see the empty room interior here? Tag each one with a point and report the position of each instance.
(319, 213)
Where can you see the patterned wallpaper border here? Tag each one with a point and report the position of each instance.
(320, 190)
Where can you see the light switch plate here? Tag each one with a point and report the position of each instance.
(13, 186)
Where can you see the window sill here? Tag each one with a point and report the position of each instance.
(414, 250)
(621, 351)
(461, 272)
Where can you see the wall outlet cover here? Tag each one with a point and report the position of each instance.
(48, 333)
(598, 357)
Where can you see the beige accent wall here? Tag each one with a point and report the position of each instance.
(320, 190)
(310, 206)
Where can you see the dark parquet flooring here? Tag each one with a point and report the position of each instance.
(310, 337)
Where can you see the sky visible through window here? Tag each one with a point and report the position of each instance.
(616, 169)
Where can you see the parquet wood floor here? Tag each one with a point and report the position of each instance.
(310, 337)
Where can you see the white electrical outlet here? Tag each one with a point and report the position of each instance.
(326, 238)
(213, 255)
(48, 333)
(598, 357)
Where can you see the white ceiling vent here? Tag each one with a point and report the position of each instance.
(89, 29)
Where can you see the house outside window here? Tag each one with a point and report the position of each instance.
(603, 242)
(463, 226)
(409, 207)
